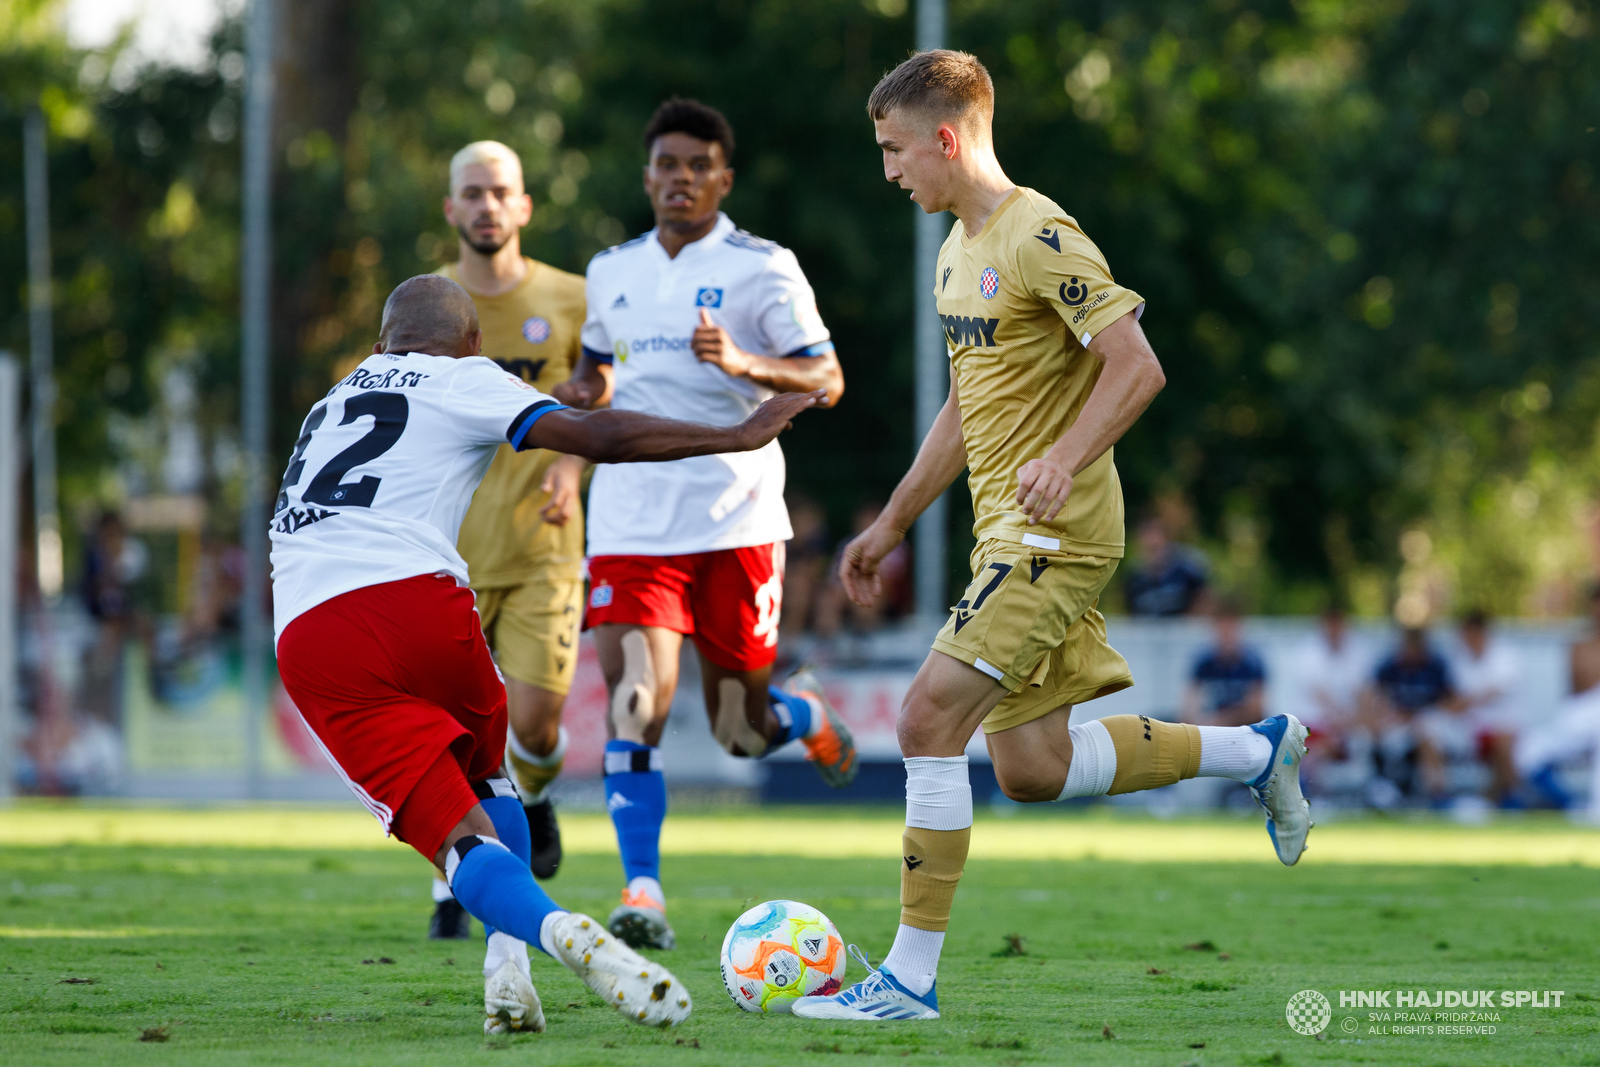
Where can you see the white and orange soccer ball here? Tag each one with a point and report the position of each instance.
(778, 952)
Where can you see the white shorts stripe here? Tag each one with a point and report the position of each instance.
(988, 668)
(380, 811)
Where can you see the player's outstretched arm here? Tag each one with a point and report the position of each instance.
(632, 437)
(711, 344)
(941, 458)
(1130, 378)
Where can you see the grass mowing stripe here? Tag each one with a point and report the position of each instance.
(1533, 841)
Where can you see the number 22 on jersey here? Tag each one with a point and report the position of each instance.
(389, 412)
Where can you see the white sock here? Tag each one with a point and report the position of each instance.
(938, 793)
(502, 947)
(650, 886)
(914, 958)
(818, 717)
(1094, 761)
(547, 933)
(1236, 752)
(441, 891)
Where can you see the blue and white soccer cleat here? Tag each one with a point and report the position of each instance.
(1278, 788)
(879, 997)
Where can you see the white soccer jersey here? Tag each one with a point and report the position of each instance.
(1499, 671)
(384, 469)
(643, 309)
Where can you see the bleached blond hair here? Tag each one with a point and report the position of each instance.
(483, 152)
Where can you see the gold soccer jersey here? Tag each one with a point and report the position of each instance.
(531, 331)
(1019, 304)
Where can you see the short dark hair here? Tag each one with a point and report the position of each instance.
(678, 115)
(1476, 618)
(941, 82)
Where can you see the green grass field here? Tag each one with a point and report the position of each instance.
(275, 954)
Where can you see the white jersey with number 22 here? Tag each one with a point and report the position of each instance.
(383, 471)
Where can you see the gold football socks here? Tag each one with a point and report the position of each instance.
(1151, 753)
(533, 774)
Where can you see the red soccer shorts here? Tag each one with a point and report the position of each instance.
(728, 600)
(392, 679)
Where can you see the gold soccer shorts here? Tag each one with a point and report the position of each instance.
(533, 629)
(1028, 620)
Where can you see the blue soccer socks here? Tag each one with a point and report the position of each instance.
(636, 796)
(510, 824)
(794, 716)
(496, 886)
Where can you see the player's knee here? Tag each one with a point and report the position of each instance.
(732, 727)
(1031, 783)
(633, 697)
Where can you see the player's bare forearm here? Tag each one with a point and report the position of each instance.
(940, 459)
(611, 436)
(800, 374)
(588, 387)
(1130, 378)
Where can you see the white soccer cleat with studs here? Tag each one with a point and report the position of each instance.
(510, 1003)
(637, 988)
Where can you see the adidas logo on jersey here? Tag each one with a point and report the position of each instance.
(620, 302)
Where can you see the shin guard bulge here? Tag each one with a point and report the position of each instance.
(930, 869)
(937, 835)
(733, 731)
(1151, 753)
(633, 702)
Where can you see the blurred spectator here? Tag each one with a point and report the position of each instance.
(1332, 674)
(805, 569)
(836, 610)
(1574, 733)
(1489, 679)
(1412, 680)
(113, 565)
(213, 607)
(1227, 683)
(1169, 579)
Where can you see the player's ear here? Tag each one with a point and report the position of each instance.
(949, 140)
(449, 209)
(377, 348)
(525, 215)
(727, 180)
(472, 344)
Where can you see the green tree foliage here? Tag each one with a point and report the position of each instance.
(1366, 230)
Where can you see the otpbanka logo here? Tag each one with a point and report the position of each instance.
(1308, 1012)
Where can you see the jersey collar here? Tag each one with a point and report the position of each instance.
(718, 233)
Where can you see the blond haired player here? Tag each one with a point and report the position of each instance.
(523, 536)
(1049, 368)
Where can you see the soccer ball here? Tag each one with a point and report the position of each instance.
(778, 951)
